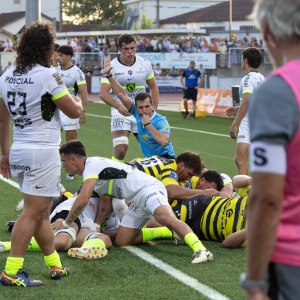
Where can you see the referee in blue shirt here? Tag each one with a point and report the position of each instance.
(191, 86)
(153, 128)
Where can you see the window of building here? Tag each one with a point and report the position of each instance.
(249, 27)
(172, 6)
(185, 6)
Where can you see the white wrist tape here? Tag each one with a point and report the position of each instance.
(65, 223)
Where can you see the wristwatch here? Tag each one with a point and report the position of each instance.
(108, 76)
(251, 284)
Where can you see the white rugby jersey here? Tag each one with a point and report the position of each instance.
(87, 217)
(248, 85)
(131, 78)
(72, 77)
(116, 179)
(29, 100)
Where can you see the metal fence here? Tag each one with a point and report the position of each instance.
(235, 56)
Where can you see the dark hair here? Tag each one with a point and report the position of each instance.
(73, 147)
(125, 38)
(35, 47)
(142, 97)
(191, 160)
(67, 50)
(213, 176)
(56, 46)
(253, 55)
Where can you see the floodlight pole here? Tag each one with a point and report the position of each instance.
(157, 14)
(230, 18)
(33, 12)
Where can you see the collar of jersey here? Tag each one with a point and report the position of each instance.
(125, 65)
(67, 69)
(154, 113)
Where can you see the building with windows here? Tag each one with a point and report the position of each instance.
(167, 9)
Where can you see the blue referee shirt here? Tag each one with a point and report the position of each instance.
(147, 143)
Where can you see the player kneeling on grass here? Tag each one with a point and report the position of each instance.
(81, 235)
(147, 197)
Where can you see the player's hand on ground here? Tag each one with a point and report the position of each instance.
(256, 294)
(123, 111)
(232, 132)
(107, 66)
(82, 118)
(145, 119)
(231, 111)
(4, 166)
(58, 224)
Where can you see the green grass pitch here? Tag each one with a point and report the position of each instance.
(122, 275)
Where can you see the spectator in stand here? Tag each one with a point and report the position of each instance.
(77, 54)
(154, 43)
(158, 70)
(261, 44)
(174, 47)
(184, 47)
(197, 42)
(1, 47)
(240, 45)
(141, 47)
(8, 65)
(167, 43)
(1, 71)
(160, 46)
(84, 69)
(89, 71)
(174, 72)
(205, 48)
(146, 43)
(74, 44)
(246, 42)
(214, 46)
(138, 41)
(82, 43)
(113, 48)
(92, 43)
(105, 49)
(191, 48)
(198, 49)
(8, 44)
(202, 70)
(222, 48)
(255, 43)
(98, 71)
(202, 42)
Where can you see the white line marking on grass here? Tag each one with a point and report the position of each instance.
(13, 183)
(179, 128)
(183, 278)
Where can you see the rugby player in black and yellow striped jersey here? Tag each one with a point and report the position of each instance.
(216, 218)
(172, 171)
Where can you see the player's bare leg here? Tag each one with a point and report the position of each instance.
(120, 149)
(71, 135)
(185, 102)
(241, 155)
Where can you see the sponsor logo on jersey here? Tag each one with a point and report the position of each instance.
(130, 72)
(58, 78)
(18, 80)
(165, 127)
(21, 123)
(19, 167)
(174, 175)
(149, 196)
(130, 86)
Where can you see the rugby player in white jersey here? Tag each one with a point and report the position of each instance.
(133, 73)
(30, 94)
(250, 62)
(74, 80)
(147, 197)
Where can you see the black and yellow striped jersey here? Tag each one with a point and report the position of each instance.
(165, 170)
(213, 218)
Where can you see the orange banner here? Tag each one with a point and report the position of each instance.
(213, 101)
(224, 102)
(207, 99)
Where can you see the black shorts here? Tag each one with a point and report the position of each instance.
(63, 215)
(190, 94)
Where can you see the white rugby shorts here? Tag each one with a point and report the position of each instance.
(119, 122)
(244, 133)
(67, 123)
(137, 217)
(37, 171)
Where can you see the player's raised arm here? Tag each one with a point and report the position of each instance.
(118, 89)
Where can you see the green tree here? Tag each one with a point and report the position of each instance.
(145, 24)
(93, 11)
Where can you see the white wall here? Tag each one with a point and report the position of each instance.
(49, 8)
(168, 8)
(16, 26)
